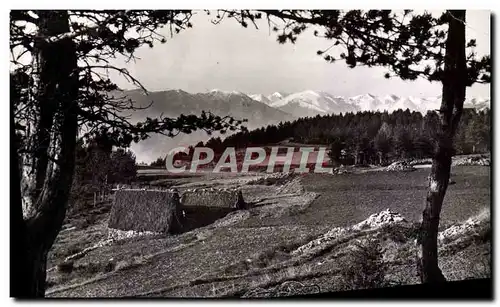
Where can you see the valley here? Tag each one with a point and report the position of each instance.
(260, 110)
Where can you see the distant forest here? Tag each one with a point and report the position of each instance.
(366, 137)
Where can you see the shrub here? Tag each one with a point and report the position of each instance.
(65, 267)
(364, 267)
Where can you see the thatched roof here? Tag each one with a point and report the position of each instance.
(146, 210)
(221, 198)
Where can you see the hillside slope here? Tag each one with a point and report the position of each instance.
(258, 252)
(173, 103)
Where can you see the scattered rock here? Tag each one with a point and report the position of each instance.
(116, 234)
(420, 161)
(469, 227)
(471, 161)
(340, 170)
(380, 219)
(375, 221)
(400, 166)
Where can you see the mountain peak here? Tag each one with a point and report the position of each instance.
(311, 92)
(218, 91)
(260, 98)
(275, 97)
(309, 103)
(394, 97)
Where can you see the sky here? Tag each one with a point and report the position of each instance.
(229, 57)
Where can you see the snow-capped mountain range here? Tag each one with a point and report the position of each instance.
(311, 103)
(260, 110)
(268, 99)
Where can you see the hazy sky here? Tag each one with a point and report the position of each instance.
(230, 57)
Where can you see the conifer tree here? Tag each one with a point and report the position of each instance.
(410, 45)
(60, 89)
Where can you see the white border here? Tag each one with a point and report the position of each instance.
(263, 4)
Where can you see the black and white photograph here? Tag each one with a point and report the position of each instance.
(250, 153)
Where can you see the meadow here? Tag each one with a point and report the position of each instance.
(288, 238)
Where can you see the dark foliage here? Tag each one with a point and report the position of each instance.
(364, 267)
(98, 167)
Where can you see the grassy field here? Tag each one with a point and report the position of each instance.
(350, 198)
(255, 248)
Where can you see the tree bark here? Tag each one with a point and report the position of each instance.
(454, 87)
(17, 225)
(52, 157)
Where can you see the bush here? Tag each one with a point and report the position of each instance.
(402, 233)
(65, 267)
(364, 267)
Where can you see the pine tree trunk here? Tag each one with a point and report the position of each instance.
(454, 86)
(36, 272)
(27, 260)
(18, 236)
(41, 205)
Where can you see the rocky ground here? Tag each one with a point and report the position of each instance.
(470, 160)
(400, 166)
(276, 248)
